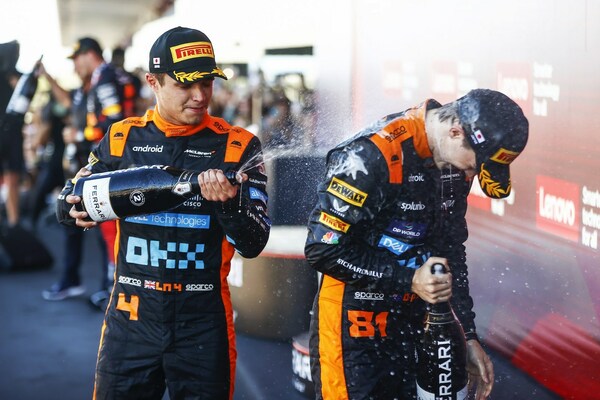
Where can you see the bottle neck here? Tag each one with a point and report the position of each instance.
(440, 313)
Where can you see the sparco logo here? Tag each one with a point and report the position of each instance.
(368, 296)
(412, 206)
(137, 198)
(127, 280)
(148, 149)
(199, 287)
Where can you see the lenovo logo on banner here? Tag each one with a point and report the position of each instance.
(558, 209)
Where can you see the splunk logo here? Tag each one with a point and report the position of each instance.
(558, 209)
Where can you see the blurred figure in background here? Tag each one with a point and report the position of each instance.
(12, 163)
(279, 124)
(47, 146)
(132, 85)
(77, 149)
(106, 96)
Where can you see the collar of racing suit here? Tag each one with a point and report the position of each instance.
(171, 130)
(417, 114)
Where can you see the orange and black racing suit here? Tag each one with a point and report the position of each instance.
(170, 315)
(382, 211)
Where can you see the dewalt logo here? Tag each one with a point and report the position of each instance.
(346, 192)
(333, 222)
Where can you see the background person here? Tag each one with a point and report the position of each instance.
(393, 203)
(12, 160)
(170, 318)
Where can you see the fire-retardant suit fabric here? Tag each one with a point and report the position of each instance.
(170, 315)
(382, 211)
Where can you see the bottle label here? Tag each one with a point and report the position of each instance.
(19, 105)
(423, 394)
(96, 197)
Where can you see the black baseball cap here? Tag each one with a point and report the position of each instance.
(185, 54)
(84, 45)
(497, 130)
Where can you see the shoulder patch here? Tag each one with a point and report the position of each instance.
(389, 142)
(237, 142)
(120, 130)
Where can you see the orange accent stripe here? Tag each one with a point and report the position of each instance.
(392, 153)
(227, 252)
(98, 356)
(416, 117)
(237, 142)
(118, 234)
(330, 339)
(171, 130)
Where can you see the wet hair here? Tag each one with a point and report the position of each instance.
(448, 112)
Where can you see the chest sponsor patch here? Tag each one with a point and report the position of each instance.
(347, 192)
(194, 153)
(406, 229)
(394, 245)
(256, 194)
(173, 220)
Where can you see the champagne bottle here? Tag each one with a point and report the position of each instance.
(134, 191)
(13, 120)
(441, 354)
(23, 93)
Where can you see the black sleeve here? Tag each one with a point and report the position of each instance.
(244, 218)
(338, 228)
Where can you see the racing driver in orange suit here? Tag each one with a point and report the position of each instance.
(169, 322)
(393, 203)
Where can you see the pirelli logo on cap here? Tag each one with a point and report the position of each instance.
(187, 51)
(333, 222)
(504, 156)
(346, 192)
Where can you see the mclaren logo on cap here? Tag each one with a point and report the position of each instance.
(186, 51)
(504, 156)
